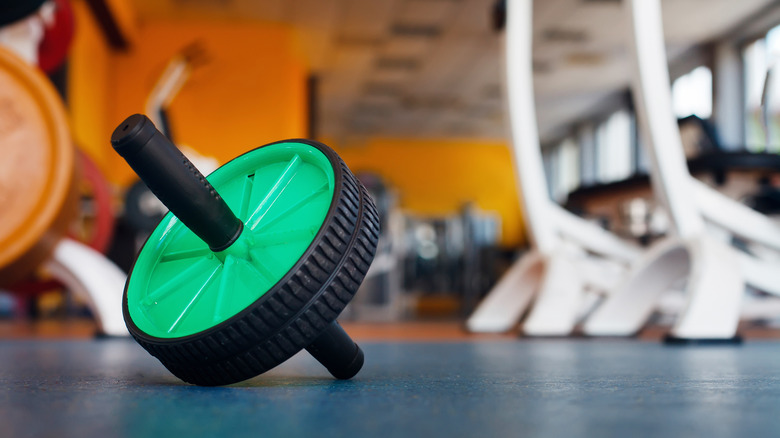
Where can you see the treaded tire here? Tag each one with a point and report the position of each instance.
(293, 313)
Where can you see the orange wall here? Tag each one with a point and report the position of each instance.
(250, 92)
(438, 176)
(88, 85)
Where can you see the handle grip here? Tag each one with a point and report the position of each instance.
(337, 351)
(176, 182)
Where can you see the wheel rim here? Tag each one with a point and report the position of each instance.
(282, 194)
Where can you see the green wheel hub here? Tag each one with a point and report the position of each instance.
(282, 194)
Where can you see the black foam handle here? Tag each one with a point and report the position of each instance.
(334, 349)
(176, 182)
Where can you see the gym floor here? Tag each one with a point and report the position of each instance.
(448, 385)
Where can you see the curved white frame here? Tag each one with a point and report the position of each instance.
(717, 273)
(91, 276)
(568, 255)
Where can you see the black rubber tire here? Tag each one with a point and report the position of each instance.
(293, 313)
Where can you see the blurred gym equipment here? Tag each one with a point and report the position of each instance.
(57, 37)
(569, 256)
(22, 26)
(426, 266)
(38, 185)
(702, 219)
(450, 257)
(630, 210)
(381, 297)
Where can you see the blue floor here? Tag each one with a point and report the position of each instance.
(112, 388)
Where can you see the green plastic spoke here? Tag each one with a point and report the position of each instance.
(174, 284)
(184, 254)
(271, 238)
(260, 269)
(294, 207)
(246, 194)
(194, 299)
(273, 194)
(223, 292)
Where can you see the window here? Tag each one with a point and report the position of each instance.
(594, 154)
(692, 93)
(762, 92)
(562, 168)
(568, 173)
(615, 148)
(586, 137)
(549, 160)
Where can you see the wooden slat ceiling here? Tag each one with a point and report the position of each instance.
(432, 68)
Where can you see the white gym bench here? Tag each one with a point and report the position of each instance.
(569, 257)
(703, 220)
